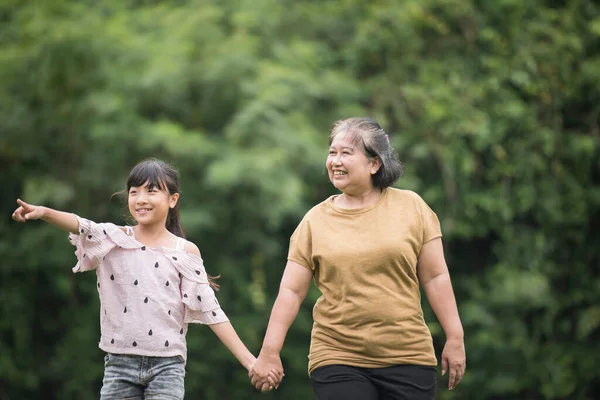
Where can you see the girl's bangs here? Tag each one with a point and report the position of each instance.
(148, 172)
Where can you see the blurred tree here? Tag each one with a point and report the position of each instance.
(492, 106)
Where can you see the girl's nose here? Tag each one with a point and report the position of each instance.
(141, 198)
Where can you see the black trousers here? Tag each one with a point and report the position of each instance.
(400, 382)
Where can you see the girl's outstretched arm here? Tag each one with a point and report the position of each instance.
(63, 220)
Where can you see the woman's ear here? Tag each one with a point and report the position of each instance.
(375, 165)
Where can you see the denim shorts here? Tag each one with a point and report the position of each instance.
(133, 377)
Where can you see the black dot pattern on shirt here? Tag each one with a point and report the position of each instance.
(83, 256)
(82, 231)
(104, 231)
(167, 283)
(89, 236)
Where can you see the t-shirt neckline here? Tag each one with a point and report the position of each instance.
(354, 211)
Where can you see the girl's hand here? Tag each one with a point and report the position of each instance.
(274, 379)
(27, 212)
(454, 360)
(267, 372)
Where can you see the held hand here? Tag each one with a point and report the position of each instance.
(454, 359)
(267, 372)
(27, 212)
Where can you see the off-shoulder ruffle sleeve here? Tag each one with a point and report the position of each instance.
(201, 305)
(94, 241)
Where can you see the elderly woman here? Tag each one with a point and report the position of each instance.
(368, 249)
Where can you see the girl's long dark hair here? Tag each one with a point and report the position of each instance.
(159, 174)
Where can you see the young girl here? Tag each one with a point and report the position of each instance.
(151, 283)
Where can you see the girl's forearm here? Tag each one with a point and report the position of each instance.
(63, 220)
(441, 299)
(232, 341)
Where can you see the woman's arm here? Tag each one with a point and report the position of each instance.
(292, 291)
(435, 279)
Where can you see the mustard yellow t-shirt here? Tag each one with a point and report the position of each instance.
(364, 262)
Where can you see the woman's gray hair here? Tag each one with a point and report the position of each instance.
(375, 143)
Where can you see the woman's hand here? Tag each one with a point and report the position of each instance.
(267, 372)
(454, 360)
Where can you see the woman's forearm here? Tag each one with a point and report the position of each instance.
(284, 313)
(441, 299)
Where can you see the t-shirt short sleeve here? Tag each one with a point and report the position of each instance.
(431, 223)
(300, 250)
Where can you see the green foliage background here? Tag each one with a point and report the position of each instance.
(493, 106)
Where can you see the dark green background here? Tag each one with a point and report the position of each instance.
(493, 106)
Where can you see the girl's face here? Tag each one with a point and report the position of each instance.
(349, 168)
(150, 205)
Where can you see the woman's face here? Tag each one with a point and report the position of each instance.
(349, 168)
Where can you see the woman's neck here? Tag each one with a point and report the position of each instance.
(358, 200)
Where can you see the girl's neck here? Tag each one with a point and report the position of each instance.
(351, 201)
(152, 235)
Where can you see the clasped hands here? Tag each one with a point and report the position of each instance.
(267, 372)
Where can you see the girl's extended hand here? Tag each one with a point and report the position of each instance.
(267, 372)
(27, 212)
(454, 359)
